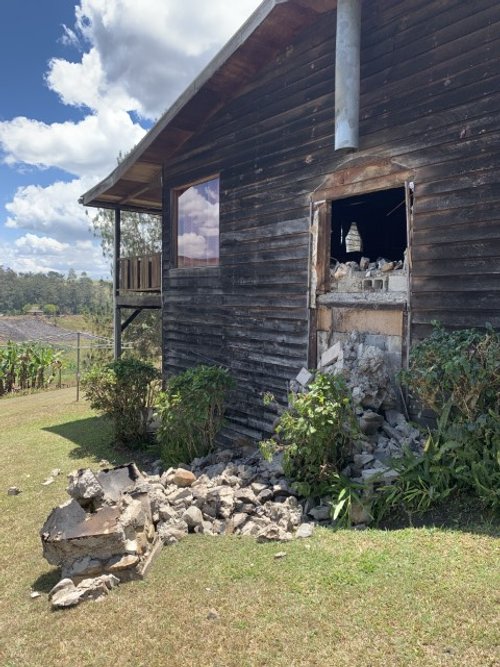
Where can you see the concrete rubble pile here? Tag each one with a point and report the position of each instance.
(117, 519)
(386, 432)
(103, 535)
(366, 276)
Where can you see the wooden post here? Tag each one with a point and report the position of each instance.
(117, 327)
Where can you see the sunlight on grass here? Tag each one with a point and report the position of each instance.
(365, 599)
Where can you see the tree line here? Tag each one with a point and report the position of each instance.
(53, 292)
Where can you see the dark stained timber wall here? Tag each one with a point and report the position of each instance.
(430, 101)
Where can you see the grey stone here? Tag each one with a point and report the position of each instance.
(172, 531)
(84, 487)
(254, 526)
(246, 495)
(82, 567)
(265, 495)
(181, 495)
(321, 513)
(390, 476)
(193, 517)
(331, 355)
(239, 519)
(363, 459)
(224, 455)
(13, 491)
(61, 585)
(304, 531)
(273, 533)
(371, 474)
(68, 597)
(167, 477)
(167, 512)
(304, 377)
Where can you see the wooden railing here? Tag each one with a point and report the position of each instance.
(140, 274)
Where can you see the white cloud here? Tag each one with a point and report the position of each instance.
(87, 147)
(40, 245)
(135, 57)
(40, 254)
(53, 210)
(192, 245)
(142, 54)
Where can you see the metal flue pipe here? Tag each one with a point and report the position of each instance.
(347, 74)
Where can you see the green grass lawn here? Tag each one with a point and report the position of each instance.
(413, 597)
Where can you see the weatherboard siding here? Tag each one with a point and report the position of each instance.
(430, 101)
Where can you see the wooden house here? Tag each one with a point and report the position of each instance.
(383, 113)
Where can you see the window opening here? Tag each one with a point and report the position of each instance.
(371, 227)
(198, 225)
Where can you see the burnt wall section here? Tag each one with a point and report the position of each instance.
(430, 101)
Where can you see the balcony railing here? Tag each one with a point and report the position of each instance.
(140, 274)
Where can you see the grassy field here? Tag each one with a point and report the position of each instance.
(365, 599)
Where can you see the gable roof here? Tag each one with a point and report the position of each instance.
(135, 184)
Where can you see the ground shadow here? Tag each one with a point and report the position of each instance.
(459, 513)
(93, 438)
(46, 582)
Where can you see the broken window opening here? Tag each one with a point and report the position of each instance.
(371, 226)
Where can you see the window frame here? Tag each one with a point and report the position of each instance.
(175, 193)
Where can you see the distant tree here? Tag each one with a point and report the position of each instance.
(21, 292)
(140, 233)
(50, 309)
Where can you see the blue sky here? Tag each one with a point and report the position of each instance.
(81, 82)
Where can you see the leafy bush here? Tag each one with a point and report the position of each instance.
(318, 430)
(124, 390)
(457, 375)
(456, 368)
(191, 412)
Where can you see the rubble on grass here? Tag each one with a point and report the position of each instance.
(117, 519)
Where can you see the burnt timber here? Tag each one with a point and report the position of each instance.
(262, 117)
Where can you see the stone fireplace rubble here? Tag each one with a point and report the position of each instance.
(116, 520)
(106, 529)
(385, 428)
(366, 277)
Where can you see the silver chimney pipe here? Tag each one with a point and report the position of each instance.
(347, 74)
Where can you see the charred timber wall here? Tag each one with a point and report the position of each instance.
(430, 101)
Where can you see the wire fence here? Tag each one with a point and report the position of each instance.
(79, 350)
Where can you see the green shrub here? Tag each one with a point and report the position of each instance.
(457, 375)
(456, 368)
(191, 412)
(124, 390)
(317, 430)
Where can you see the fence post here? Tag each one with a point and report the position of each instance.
(77, 366)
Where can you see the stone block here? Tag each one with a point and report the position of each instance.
(304, 377)
(332, 355)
